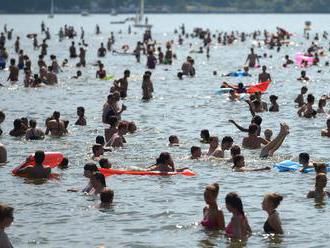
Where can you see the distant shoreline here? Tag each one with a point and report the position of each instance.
(164, 13)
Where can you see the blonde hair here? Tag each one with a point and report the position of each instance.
(213, 189)
(274, 198)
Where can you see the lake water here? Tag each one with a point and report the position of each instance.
(162, 211)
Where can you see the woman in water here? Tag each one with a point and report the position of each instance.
(213, 217)
(320, 183)
(238, 226)
(164, 163)
(274, 105)
(6, 218)
(273, 222)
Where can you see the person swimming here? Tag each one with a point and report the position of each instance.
(326, 132)
(213, 216)
(205, 136)
(319, 192)
(81, 117)
(106, 198)
(98, 183)
(269, 204)
(38, 170)
(238, 227)
(196, 152)
(174, 140)
(300, 98)
(239, 165)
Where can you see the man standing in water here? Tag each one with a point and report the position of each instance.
(264, 76)
(252, 58)
(37, 171)
(122, 84)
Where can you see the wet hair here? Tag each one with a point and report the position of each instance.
(56, 114)
(320, 167)
(275, 199)
(257, 120)
(100, 178)
(235, 202)
(273, 97)
(205, 134)
(213, 188)
(172, 138)
(64, 163)
(127, 72)
(39, 156)
(104, 162)
(100, 140)
(235, 150)
(82, 109)
(179, 75)
(237, 159)
(33, 123)
(96, 147)
(194, 149)
(5, 212)
(17, 123)
(253, 128)
(310, 98)
(2, 115)
(106, 196)
(320, 176)
(163, 157)
(322, 102)
(227, 139)
(91, 167)
(304, 157)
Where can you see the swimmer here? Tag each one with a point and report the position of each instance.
(196, 152)
(78, 75)
(13, 71)
(326, 132)
(64, 164)
(98, 183)
(106, 198)
(264, 76)
(19, 129)
(51, 77)
(117, 139)
(98, 152)
(147, 87)
(101, 52)
(274, 105)
(233, 96)
(213, 216)
(131, 127)
(275, 144)
(110, 131)
(56, 126)
(174, 140)
(100, 140)
(321, 105)
(252, 58)
(238, 227)
(239, 165)
(34, 133)
(307, 110)
(101, 73)
(122, 84)
(253, 141)
(205, 136)
(268, 133)
(81, 117)
(288, 61)
(319, 192)
(105, 163)
(303, 76)
(2, 119)
(37, 171)
(234, 151)
(164, 163)
(6, 219)
(304, 161)
(273, 223)
(151, 60)
(90, 169)
(320, 167)
(300, 98)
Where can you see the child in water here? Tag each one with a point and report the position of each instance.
(106, 197)
(213, 216)
(273, 222)
(6, 218)
(174, 140)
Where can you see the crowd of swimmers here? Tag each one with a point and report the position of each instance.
(116, 128)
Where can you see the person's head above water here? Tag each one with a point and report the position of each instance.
(321, 181)
(235, 150)
(100, 140)
(271, 201)
(304, 158)
(264, 68)
(90, 169)
(310, 98)
(164, 158)
(234, 203)
(304, 90)
(173, 139)
(205, 134)
(39, 157)
(196, 152)
(106, 196)
(56, 115)
(253, 129)
(211, 193)
(257, 120)
(273, 99)
(227, 142)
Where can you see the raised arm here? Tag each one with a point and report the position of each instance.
(239, 127)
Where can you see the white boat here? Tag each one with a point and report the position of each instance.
(51, 14)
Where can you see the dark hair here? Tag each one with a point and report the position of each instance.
(163, 157)
(100, 178)
(227, 139)
(33, 123)
(310, 98)
(172, 138)
(304, 156)
(96, 147)
(91, 167)
(82, 109)
(304, 88)
(106, 196)
(100, 140)
(194, 149)
(5, 212)
(64, 163)
(56, 114)
(237, 159)
(253, 128)
(235, 202)
(273, 97)
(39, 156)
(235, 150)
(103, 162)
(17, 123)
(2, 115)
(213, 188)
(257, 120)
(205, 134)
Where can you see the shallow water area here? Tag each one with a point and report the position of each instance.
(162, 211)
